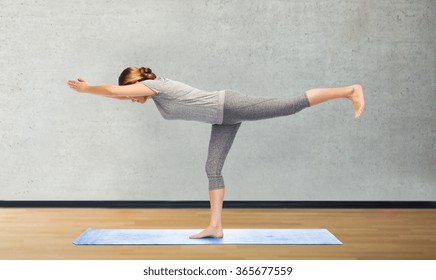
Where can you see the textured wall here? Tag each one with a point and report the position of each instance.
(60, 145)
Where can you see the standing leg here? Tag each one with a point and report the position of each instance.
(221, 141)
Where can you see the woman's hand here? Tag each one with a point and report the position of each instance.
(79, 85)
(139, 99)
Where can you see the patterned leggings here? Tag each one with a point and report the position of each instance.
(240, 107)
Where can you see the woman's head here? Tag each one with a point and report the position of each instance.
(132, 75)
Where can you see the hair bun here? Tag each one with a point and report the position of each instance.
(146, 73)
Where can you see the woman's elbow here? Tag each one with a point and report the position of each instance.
(129, 90)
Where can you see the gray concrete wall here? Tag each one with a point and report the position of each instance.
(60, 145)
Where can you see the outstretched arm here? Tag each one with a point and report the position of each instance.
(134, 90)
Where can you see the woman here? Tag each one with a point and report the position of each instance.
(224, 109)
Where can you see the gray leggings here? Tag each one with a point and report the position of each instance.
(240, 107)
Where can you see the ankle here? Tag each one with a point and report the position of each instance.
(215, 225)
(349, 92)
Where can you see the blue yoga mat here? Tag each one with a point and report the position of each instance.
(181, 237)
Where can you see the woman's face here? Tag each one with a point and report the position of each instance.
(139, 99)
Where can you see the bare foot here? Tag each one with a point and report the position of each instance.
(209, 232)
(357, 98)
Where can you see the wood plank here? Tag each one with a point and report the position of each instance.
(48, 233)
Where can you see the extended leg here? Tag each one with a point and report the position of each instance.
(243, 107)
(353, 93)
(221, 141)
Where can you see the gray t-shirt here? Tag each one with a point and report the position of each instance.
(176, 100)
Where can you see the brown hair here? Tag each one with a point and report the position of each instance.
(131, 75)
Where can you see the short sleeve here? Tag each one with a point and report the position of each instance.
(157, 85)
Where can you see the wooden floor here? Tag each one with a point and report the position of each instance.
(37, 233)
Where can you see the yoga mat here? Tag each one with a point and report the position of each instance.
(181, 237)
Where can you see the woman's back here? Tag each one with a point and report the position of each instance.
(177, 100)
